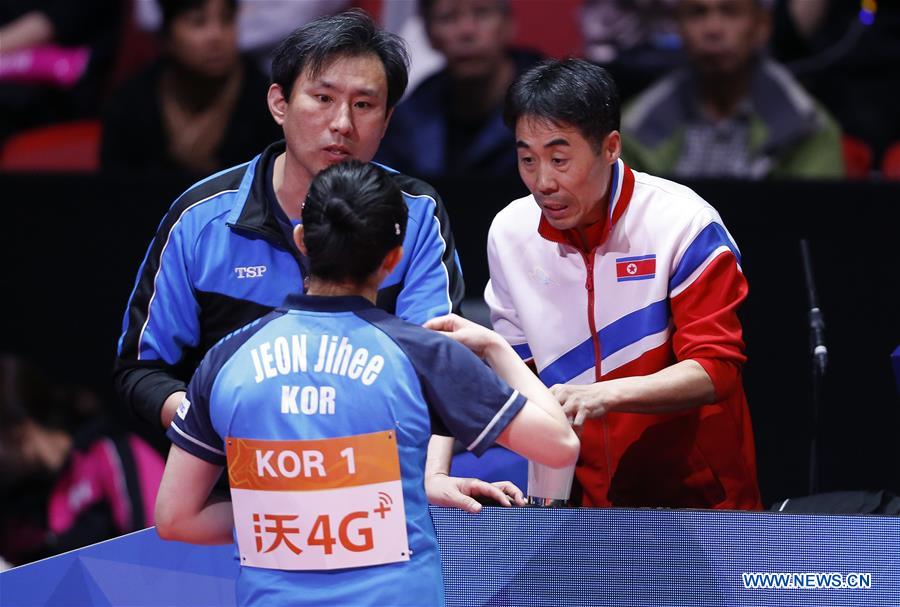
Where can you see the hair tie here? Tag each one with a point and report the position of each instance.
(397, 229)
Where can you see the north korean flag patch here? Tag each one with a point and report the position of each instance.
(635, 268)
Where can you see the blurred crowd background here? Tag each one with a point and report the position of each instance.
(118, 105)
(768, 88)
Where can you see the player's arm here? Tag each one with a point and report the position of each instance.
(442, 489)
(451, 491)
(459, 491)
(540, 430)
(185, 509)
(433, 286)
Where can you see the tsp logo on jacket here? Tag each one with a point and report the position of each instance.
(636, 268)
(250, 271)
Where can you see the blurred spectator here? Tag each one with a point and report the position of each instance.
(795, 24)
(200, 108)
(65, 480)
(405, 20)
(261, 24)
(849, 59)
(732, 112)
(452, 123)
(636, 40)
(55, 57)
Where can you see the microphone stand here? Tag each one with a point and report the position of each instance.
(819, 362)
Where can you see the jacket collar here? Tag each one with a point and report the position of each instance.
(256, 214)
(621, 187)
(321, 303)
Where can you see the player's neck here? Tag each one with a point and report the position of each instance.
(326, 288)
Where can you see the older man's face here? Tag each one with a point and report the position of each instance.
(567, 176)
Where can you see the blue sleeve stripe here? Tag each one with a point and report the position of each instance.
(571, 364)
(708, 240)
(523, 351)
(634, 327)
(628, 330)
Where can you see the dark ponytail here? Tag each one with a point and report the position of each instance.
(353, 216)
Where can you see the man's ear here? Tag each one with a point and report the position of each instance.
(298, 238)
(612, 146)
(277, 103)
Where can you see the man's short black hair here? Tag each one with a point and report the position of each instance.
(566, 91)
(353, 216)
(172, 9)
(349, 34)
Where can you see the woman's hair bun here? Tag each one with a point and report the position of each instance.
(353, 216)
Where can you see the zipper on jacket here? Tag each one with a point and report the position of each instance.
(589, 286)
(595, 339)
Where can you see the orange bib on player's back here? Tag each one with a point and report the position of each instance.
(318, 504)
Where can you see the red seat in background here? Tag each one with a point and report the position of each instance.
(890, 165)
(67, 147)
(857, 157)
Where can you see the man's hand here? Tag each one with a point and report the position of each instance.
(456, 492)
(472, 335)
(681, 386)
(583, 402)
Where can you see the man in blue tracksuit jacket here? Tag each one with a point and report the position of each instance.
(223, 254)
(222, 257)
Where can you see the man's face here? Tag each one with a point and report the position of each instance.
(471, 34)
(339, 114)
(204, 39)
(722, 36)
(567, 177)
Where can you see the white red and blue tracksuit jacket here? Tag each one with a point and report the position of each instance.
(661, 284)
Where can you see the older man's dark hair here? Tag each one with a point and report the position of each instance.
(568, 91)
